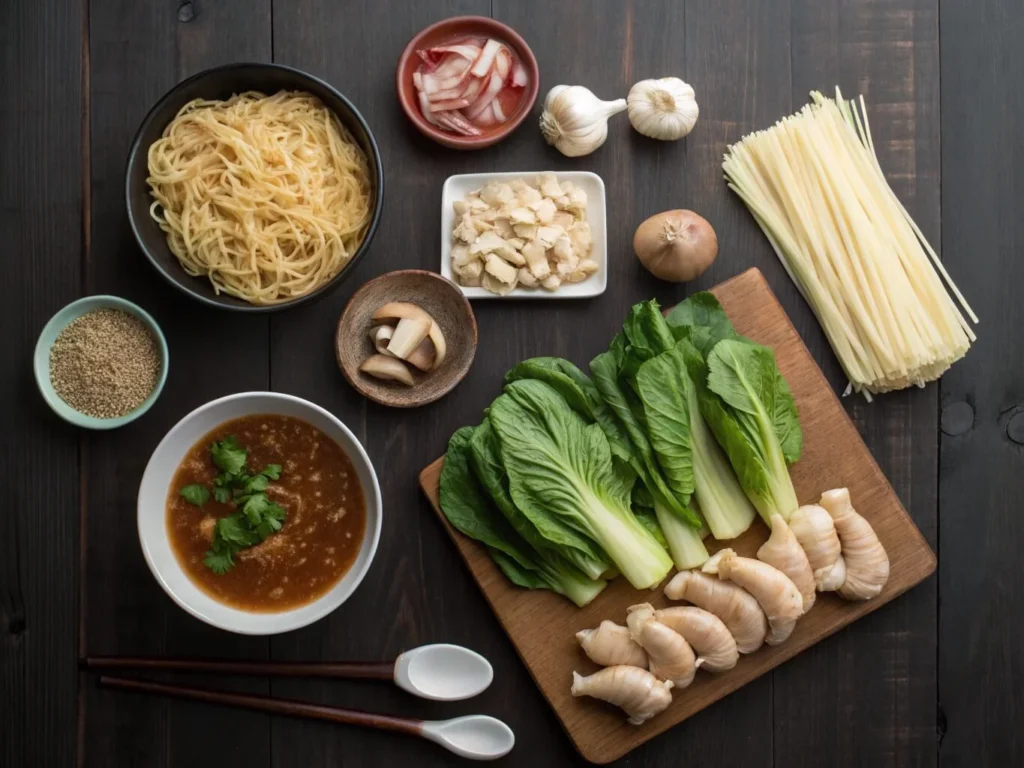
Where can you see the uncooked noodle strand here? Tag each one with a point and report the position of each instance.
(267, 196)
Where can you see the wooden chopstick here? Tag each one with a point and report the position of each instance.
(268, 704)
(339, 670)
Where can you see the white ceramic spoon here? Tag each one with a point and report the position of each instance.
(441, 672)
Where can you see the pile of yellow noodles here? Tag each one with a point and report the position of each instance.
(268, 196)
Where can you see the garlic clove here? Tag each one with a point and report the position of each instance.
(575, 121)
(664, 109)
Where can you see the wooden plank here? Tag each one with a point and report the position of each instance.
(833, 456)
(981, 668)
(41, 232)
(881, 673)
(415, 592)
(138, 52)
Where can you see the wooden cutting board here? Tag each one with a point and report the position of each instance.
(543, 625)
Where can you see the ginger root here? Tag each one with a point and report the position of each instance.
(706, 633)
(867, 564)
(774, 591)
(813, 527)
(638, 692)
(670, 657)
(783, 551)
(611, 645)
(737, 608)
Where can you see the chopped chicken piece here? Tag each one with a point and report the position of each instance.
(494, 285)
(588, 266)
(562, 219)
(522, 216)
(500, 269)
(548, 235)
(465, 231)
(552, 282)
(504, 228)
(510, 254)
(549, 185)
(526, 278)
(515, 242)
(525, 231)
(545, 210)
(537, 259)
(472, 269)
(461, 255)
(576, 277)
(470, 282)
(563, 269)
(562, 202)
(461, 207)
(487, 242)
(529, 196)
(562, 250)
(577, 200)
(580, 236)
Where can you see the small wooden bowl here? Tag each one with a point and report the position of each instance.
(436, 295)
(446, 31)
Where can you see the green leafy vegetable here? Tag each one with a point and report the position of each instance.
(755, 420)
(678, 522)
(671, 400)
(195, 494)
(556, 462)
(466, 504)
(544, 532)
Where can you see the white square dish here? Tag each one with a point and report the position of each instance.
(459, 186)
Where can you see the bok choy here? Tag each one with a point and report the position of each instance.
(467, 507)
(559, 464)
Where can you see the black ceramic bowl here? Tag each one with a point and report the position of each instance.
(221, 83)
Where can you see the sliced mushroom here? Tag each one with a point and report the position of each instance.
(423, 356)
(399, 310)
(409, 332)
(387, 368)
(380, 336)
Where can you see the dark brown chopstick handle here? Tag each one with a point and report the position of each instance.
(268, 704)
(370, 670)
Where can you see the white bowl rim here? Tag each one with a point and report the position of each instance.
(286, 620)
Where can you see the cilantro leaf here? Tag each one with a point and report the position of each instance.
(223, 495)
(254, 508)
(273, 471)
(256, 483)
(228, 455)
(234, 531)
(219, 562)
(195, 494)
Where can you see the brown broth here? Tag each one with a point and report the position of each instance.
(320, 538)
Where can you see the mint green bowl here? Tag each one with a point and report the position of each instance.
(52, 329)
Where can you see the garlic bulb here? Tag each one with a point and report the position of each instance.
(575, 121)
(664, 109)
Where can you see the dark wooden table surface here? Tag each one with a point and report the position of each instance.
(934, 678)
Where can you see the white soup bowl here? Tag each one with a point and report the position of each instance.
(152, 512)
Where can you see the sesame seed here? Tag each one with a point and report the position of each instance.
(105, 363)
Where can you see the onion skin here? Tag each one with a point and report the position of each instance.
(676, 246)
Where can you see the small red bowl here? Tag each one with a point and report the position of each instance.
(453, 29)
